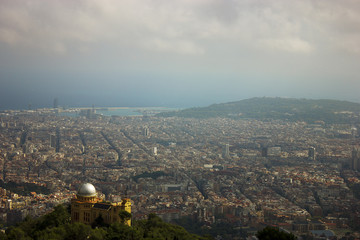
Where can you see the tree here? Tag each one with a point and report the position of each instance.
(55, 233)
(56, 218)
(97, 234)
(3, 236)
(124, 216)
(56, 225)
(28, 225)
(156, 228)
(16, 234)
(270, 233)
(99, 222)
(118, 231)
(77, 231)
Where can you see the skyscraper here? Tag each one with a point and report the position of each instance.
(312, 154)
(146, 131)
(56, 103)
(355, 160)
(52, 141)
(226, 151)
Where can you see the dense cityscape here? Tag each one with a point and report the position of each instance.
(238, 174)
(180, 120)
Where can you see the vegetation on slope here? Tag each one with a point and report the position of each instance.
(57, 225)
(24, 188)
(270, 233)
(330, 111)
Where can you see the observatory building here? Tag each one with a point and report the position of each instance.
(86, 207)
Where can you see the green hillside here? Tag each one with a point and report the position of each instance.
(330, 111)
(57, 225)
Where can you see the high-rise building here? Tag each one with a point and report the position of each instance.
(56, 103)
(226, 151)
(355, 160)
(146, 131)
(52, 141)
(264, 151)
(86, 207)
(57, 131)
(312, 154)
(354, 132)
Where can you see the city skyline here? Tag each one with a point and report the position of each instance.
(176, 54)
(241, 173)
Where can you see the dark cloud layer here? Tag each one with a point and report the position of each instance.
(184, 53)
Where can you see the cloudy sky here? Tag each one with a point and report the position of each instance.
(177, 53)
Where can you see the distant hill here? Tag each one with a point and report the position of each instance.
(329, 111)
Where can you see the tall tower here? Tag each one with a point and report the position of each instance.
(355, 160)
(57, 148)
(93, 109)
(226, 151)
(52, 141)
(312, 154)
(146, 131)
(56, 103)
(264, 152)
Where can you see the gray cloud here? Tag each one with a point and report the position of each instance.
(270, 42)
(179, 26)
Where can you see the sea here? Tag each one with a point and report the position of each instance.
(119, 111)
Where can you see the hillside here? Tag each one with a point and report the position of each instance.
(57, 225)
(329, 111)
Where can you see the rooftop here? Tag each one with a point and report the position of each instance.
(87, 190)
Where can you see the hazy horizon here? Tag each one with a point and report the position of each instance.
(175, 107)
(184, 53)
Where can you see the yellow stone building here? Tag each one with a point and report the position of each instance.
(86, 207)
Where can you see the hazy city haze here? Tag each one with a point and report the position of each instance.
(176, 53)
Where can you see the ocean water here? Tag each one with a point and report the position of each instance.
(120, 112)
(124, 111)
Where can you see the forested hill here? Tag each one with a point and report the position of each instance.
(329, 111)
(57, 225)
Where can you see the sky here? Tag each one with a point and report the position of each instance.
(178, 53)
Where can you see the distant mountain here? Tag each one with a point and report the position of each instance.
(329, 111)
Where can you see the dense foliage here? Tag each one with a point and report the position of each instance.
(329, 111)
(270, 233)
(57, 225)
(24, 188)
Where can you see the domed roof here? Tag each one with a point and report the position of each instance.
(87, 190)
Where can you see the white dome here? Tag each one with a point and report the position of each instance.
(87, 190)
